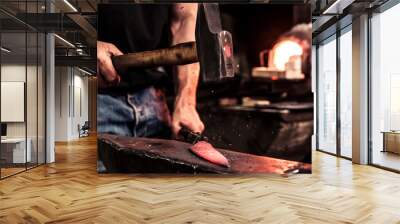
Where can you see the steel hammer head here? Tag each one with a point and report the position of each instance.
(214, 45)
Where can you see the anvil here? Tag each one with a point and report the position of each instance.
(145, 155)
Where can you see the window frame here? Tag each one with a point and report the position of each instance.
(333, 37)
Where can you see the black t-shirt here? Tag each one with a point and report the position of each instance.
(134, 28)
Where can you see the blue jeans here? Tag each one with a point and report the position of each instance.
(142, 114)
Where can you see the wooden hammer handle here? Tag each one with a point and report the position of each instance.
(180, 54)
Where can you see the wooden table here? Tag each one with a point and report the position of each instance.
(391, 141)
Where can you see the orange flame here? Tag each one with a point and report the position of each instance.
(281, 53)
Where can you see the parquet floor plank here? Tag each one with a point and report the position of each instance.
(71, 191)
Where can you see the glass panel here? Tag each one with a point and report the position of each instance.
(385, 84)
(23, 88)
(313, 78)
(32, 88)
(31, 98)
(13, 84)
(41, 98)
(346, 94)
(327, 96)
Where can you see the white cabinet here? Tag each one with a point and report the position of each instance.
(16, 150)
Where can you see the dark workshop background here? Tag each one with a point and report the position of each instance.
(256, 27)
(283, 129)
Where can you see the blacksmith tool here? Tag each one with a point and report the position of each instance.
(213, 48)
(148, 155)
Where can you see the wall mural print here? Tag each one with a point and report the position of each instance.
(204, 88)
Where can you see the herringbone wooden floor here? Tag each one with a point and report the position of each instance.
(70, 191)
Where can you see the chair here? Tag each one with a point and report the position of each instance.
(84, 130)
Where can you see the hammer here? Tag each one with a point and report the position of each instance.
(180, 54)
(213, 48)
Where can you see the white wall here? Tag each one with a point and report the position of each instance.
(79, 102)
(71, 94)
(33, 127)
(62, 80)
(16, 73)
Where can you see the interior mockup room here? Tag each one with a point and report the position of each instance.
(357, 82)
(47, 69)
(342, 124)
(48, 88)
